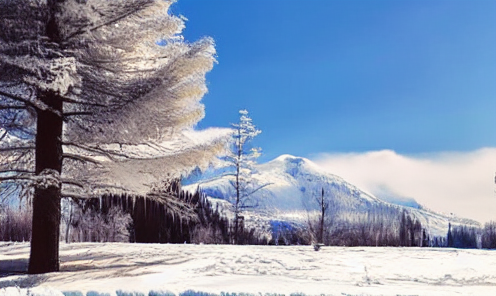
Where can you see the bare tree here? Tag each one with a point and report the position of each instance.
(96, 96)
(324, 207)
(319, 222)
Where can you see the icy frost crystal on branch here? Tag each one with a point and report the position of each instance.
(57, 74)
(47, 178)
(62, 75)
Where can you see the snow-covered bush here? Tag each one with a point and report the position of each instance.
(89, 225)
(206, 235)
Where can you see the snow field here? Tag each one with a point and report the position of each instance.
(215, 269)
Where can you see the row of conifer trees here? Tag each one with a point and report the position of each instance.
(127, 218)
(150, 220)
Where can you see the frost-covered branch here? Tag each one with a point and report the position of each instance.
(74, 101)
(69, 114)
(80, 158)
(8, 149)
(7, 107)
(18, 171)
(16, 178)
(75, 196)
(109, 22)
(184, 209)
(110, 154)
(16, 98)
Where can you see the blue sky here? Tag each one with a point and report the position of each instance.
(329, 76)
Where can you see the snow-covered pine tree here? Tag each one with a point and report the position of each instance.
(243, 157)
(96, 96)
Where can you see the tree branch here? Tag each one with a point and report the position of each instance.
(109, 154)
(133, 59)
(73, 183)
(16, 98)
(18, 171)
(80, 158)
(3, 135)
(69, 114)
(6, 107)
(73, 101)
(116, 19)
(15, 178)
(75, 196)
(7, 149)
(11, 84)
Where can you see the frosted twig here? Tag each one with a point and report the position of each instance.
(116, 19)
(47, 178)
(16, 178)
(7, 107)
(80, 158)
(107, 153)
(8, 149)
(75, 195)
(16, 98)
(73, 101)
(18, 171)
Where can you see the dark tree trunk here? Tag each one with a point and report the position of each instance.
(44, 255)
(238, 200)
(322, 217)
(46, 204)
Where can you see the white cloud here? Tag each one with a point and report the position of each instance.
(451, 182)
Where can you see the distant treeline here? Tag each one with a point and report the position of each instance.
(472, 237)
(383, 226)
(379, 226)
(128, 218)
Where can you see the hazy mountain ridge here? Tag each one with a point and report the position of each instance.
(295, 181)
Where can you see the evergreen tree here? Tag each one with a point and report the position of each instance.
(83, 84)
(403, 229)
(450, 242)
(425, 239)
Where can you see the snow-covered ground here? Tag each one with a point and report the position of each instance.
(111, 267)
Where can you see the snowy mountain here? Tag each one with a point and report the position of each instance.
(294, 184)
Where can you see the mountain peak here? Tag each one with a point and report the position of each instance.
(293, 182)
(286, 157)
(290, 164)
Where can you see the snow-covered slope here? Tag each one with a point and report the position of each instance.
(294, 184)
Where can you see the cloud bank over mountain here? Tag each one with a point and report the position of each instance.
(451, 182)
